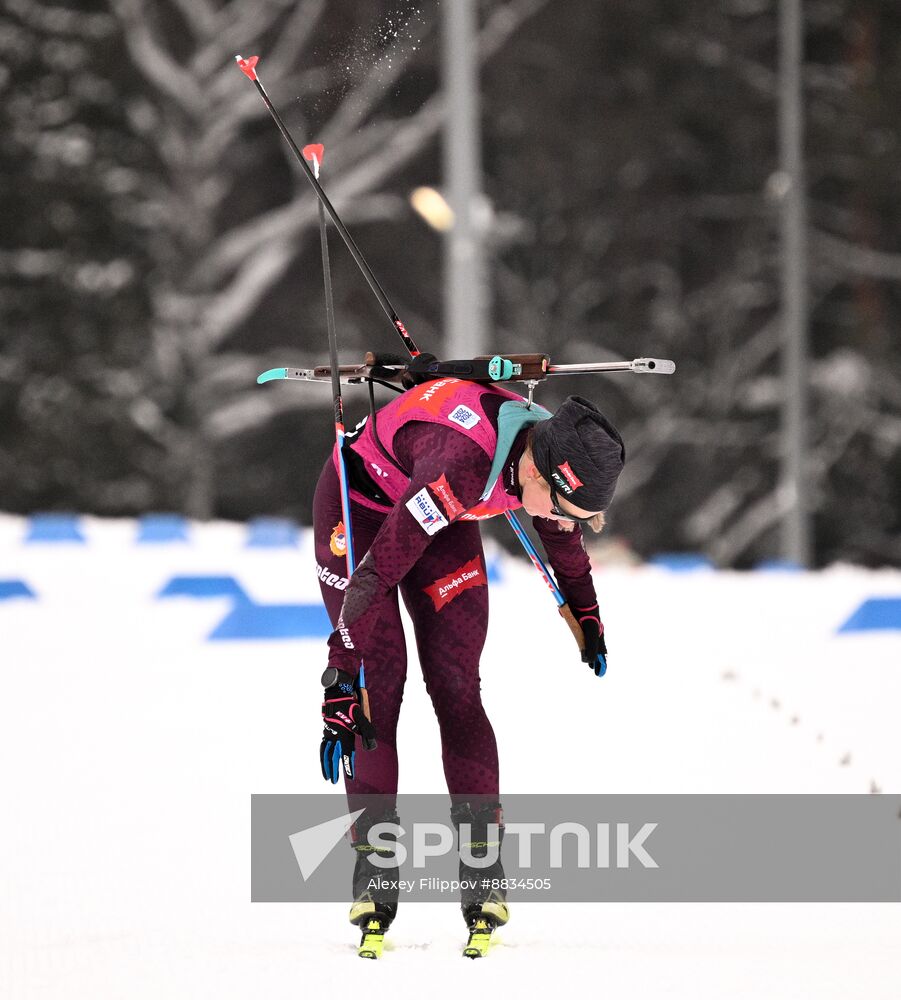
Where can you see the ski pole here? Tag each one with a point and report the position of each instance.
(248, 68)
(564, 609)
(315, 152)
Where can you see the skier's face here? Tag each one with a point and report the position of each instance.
(538, 501)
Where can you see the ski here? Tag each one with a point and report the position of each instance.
(373, 939)
(480, 931)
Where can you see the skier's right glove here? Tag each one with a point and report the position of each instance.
(595, 651)
(343, 717)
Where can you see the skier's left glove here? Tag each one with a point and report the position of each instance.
(343, 717)
(595, 651)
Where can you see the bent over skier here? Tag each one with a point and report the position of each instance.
(422, 471)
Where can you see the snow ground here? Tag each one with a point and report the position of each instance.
(131, 746)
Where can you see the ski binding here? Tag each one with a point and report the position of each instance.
(373, 939)
(480, 931)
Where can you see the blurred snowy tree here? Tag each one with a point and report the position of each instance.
(155, 185)
(156, 255)
(633, 157)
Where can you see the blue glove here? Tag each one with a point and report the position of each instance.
(342, 717)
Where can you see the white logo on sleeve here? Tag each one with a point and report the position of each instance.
(463, 416)
(426, 513)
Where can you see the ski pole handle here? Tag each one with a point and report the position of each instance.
(574, 627)
(369, 742)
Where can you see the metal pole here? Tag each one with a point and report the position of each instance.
(465, 303)
(795, 529)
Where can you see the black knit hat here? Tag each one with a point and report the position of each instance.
(580, 453)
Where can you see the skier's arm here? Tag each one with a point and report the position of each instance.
(572, 568)
(447, 474)
(569, 560)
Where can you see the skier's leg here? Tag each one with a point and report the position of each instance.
(374, 787)
(446, 594)
(480, 833)
(374, 886)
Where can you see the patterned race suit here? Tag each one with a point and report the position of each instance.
(416, 481)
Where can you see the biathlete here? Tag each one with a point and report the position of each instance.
(422, 472)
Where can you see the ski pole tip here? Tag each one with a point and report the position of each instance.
(314, 150)
(248, 66)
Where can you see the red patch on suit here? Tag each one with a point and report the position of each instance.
(430, 396)
(443, 591)
(442, 490)
(482, 511)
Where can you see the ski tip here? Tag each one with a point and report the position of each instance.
(247, 66)
(271, 375)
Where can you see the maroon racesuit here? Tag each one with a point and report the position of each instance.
(419, 486)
